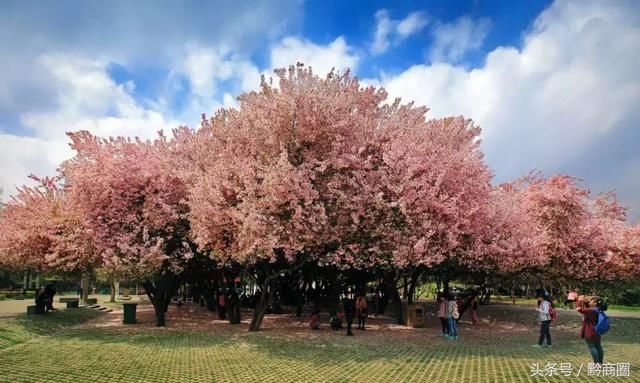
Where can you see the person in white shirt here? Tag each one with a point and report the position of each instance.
(544, 317)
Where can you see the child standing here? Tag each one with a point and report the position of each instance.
(349, 311)
(361, 311)
(452, 317)
(442, 314)
(590, 309)
(544, 317)
(474, 310)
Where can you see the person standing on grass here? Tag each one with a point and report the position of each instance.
(49, 293)
(474, 310)
(452, 316)
(591, 310)
(222, 309)
(544, 317)
(442, 314)
(361, 311)
(349, 311)
(40, 301)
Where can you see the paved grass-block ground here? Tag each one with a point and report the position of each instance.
(195, 347)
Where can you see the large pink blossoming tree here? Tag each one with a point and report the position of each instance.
(134, 204)
(322, 170)
(41, 228)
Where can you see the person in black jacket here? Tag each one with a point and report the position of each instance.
(49, 293)
(349, 311)
(40, 301)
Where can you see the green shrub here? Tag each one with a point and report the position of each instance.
(631, 297)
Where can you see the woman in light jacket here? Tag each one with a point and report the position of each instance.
(452, 315)
(442, 314)
(544, 317)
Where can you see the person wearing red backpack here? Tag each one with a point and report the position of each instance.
(590, 309)
(544, 310)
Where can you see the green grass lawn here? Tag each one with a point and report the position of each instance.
(634, 309)
(196, 348)
(23, 328)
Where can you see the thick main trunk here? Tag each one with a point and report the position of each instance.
(392, 291)
(210, 299)
(405, 288)
(261, 306)
(85, 287)
(300, 300)
(25, 281)
(445, 284)
(160, 311)
(112, 298)
(160, 296)
(412, 288)
(397, 307)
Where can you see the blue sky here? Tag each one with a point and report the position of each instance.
(553, 84)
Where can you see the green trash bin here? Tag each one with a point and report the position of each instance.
(129, 313)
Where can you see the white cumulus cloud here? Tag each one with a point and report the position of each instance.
(452, 40)
(391, 32)
(555, 103)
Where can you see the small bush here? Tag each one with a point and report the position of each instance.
(631, 297)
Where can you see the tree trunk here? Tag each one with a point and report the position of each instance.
(405, 288)
(412, 288)
(25, 282)
(445, 284)
(167, 299)
(160, 295)
(397, 306)
(261, 307)
(160, 311)
(300, 299)
(112, 283)
(85, 287)
(392, 291)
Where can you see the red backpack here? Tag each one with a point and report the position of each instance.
(553, 314)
